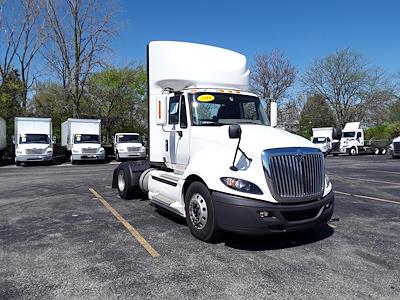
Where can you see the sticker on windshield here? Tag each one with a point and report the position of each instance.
(120, 135)
(205, 98)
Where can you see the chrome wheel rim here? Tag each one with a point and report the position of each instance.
(383, 151)
(121, 180)
(198, 211)
(376, 151)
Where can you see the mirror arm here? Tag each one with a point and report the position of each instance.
(233, 168)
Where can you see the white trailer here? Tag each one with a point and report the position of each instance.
(353, 142)
(82, 139)
(394, 148)
(128, 145)
(33, 140)
(3, 137)
(322, 137)
(213, 158)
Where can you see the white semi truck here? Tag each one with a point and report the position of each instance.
(33, 140)
(353, 142)
(128, 145)
(82, 139)
(213, 158)
(394, 148)
(322, 138)
(3, 137)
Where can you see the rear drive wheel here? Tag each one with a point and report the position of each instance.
(200, 215)
(128, 187)
(383, 151)
(352, 151)
(376, 151)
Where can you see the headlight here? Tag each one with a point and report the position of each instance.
(19, 152)
(327, 182)
(143, 149)
(101, 149)
(120, 149)
(49, 150)
(75, 151)
(391, 147)
(241, 185)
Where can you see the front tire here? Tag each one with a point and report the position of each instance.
(200, 214)
(117, 158)
(352, 151)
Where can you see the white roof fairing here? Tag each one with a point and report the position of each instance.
(180, 65)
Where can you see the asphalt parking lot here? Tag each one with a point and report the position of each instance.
(57, 240)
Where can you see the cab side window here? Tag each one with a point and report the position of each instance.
(183, 117)
(173, 116)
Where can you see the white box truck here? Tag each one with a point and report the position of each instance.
(128, 145)
(322, 137)
(353, 142)
(394, 148)
(3, 137)
(33, 140)
(82, 139)
(213, 158)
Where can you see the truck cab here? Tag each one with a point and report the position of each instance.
(394, 148)
(128, 145)
(214, 159)
(33, 140)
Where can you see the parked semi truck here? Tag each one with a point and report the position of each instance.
(128, 145)
(213, 157)
(81, 138)
(322, 138)
(3, 137)
(33, 140)
(394, 148)
(353, 142)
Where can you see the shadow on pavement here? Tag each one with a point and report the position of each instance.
(279, 241)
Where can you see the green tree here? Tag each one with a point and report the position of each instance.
(394, 111)
(315, 113)
(119, 97)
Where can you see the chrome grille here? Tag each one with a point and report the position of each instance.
(396, 147)
(133, 149)
(89, 150)
(295, 174)
(35, 151)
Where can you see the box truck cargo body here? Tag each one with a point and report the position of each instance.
(128, 145)
(33, 139)
(82, 139)
(3, 137)
(214, 159)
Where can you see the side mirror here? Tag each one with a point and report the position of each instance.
(54, 139)
(336, 133)
(235, 132)
(274, 114)
(13, 139)
(161, 110)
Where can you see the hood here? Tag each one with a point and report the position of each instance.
(254, 139)
(86, 145)
(397, 139)
(129, 145)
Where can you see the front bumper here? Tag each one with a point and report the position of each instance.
(91, 156)
(140, 154)
(242, 215)
(34, 157)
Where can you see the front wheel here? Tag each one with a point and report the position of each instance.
(352, 151)
(117, 158)
(200, 214)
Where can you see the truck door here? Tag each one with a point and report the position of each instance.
(360, 138)
(177, 134)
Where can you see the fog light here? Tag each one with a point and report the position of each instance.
(328, 205)
(264, 214)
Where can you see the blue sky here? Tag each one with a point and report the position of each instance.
(303, 29)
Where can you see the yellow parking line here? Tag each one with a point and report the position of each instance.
(367, 197)
(128, 226)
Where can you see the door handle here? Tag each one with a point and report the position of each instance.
(166, 145)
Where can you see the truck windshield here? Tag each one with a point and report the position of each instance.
(34, 139)
(86, 138)
(319, 140)
(123, 138)
(216, 109)
(349, 134)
